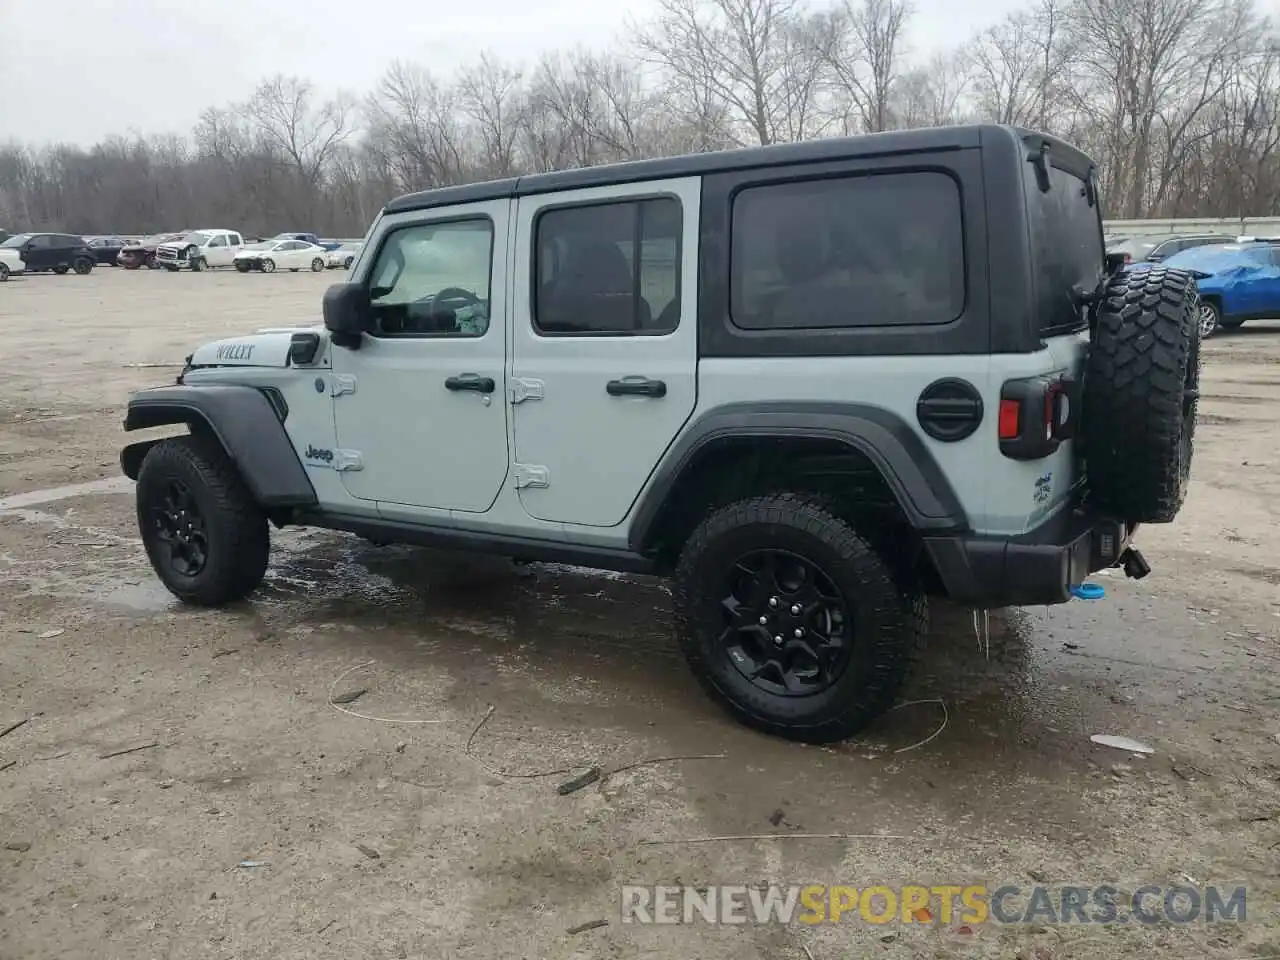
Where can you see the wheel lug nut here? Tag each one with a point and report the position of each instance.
(763, 621)
(795, 609)
(799, 631)
(773, 603)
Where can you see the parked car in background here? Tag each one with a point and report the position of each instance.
(287, 254)
(1159, 248)
(343, 255)
(1237, 281)
(10, 262)
(58, 252)
(106, 250)
(308, 238)
(200, 250)
(143, 254)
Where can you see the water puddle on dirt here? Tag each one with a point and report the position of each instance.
(53, 494)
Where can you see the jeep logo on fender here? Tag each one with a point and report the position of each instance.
(235, 351)
(322, 454)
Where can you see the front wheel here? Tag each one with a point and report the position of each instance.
(268, 265)
(82, 266)
(1209, 319)
(791, 620)
(60, 269)
(4, 272)
(242, 266)
(346, 264)
(317, 265)
(205, 537)
(198, 264)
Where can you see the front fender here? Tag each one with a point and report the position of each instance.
(243, 420)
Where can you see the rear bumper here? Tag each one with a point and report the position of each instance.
(1039, 567)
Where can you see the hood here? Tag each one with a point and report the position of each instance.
(266, 348)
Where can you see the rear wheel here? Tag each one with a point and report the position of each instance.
(205, 537)
(791, 620)
(268, 265)
(1142, 384)
(317, 265)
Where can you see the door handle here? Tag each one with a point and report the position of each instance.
(636, 387)
(469, 381)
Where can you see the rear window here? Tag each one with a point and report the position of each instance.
(863, 251)
(1067, 256)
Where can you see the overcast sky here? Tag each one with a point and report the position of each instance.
(77, 72)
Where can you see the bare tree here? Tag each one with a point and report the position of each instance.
(867, 60)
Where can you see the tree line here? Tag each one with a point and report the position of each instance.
(1178, 101)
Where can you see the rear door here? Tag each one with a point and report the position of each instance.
(604, 360)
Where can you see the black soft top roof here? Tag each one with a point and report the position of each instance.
(930, 139)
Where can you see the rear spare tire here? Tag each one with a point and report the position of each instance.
(1141, 386)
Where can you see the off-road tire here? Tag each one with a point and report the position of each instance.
(888, 616)
(1141, 387)
(236, 528)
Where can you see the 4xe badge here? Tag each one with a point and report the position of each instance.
(321, 455)
(235, 351)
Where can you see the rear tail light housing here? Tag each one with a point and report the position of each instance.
(1037, 415)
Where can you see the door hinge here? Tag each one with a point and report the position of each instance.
(342, 383)
(528, 475)
(519, 390)
(347, 460)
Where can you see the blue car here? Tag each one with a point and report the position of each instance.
(1237, 281)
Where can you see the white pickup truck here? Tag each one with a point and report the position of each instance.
(200, 250)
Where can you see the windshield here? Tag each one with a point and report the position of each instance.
(264, 245)
(1218, 257)
(1137, 248)
(17, 241)
(197, 237)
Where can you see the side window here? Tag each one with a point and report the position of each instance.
(609, 269)
(861, 251)
(289, 245)
(432, 280)
(235, 239)
(219, 241)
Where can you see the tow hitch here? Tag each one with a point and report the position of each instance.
(1134, 563)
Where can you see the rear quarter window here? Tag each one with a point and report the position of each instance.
(871, 250)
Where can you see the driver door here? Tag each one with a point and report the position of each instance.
(420, 407)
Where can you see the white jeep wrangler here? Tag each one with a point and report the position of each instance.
(812, 383)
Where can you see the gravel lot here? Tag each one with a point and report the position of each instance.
(393, 840)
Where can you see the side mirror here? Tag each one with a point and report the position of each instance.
(346, 313)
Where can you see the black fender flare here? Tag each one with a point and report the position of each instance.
(243, 420)
(892, 445)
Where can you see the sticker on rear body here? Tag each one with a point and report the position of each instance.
(1044, 488)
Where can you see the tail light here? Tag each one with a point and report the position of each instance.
(1037, 415)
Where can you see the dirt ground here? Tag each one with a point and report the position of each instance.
(378, 839)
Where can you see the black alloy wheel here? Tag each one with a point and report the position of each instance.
(179, 526)
(788, 628)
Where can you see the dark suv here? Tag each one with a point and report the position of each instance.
(58, 252)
